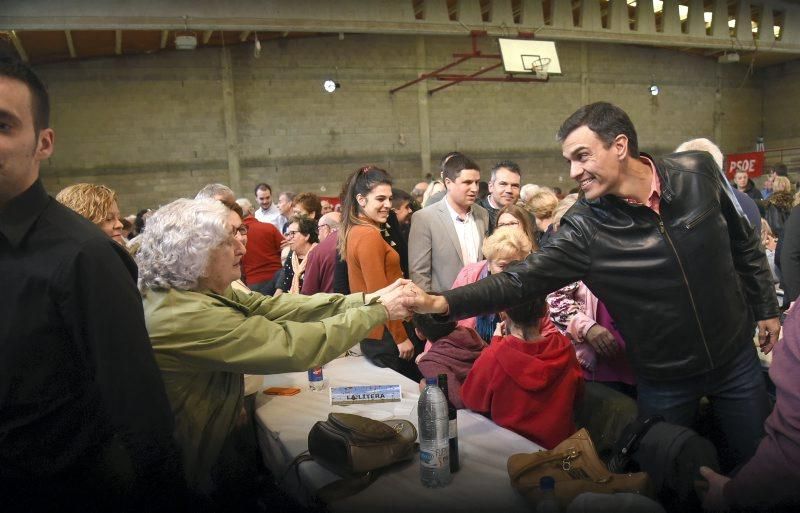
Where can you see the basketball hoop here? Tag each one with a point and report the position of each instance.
(536, 64)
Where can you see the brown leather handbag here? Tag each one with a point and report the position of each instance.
(350, 444)
(576, 468)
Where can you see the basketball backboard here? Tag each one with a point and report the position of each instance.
(529, 56)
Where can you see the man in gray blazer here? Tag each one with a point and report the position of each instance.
(449, 234)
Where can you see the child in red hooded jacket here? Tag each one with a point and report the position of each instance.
(524, 381)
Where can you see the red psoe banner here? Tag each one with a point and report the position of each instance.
(752, 163)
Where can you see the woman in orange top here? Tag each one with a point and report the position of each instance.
(372, 263)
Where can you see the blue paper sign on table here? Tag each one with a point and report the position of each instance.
(365, 394)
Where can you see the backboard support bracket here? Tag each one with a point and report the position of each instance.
(452, 79)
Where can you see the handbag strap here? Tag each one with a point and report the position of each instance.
(345, 487)
(336, 490)
(535, 462)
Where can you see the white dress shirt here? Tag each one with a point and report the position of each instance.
(467, 232)
(269, 216)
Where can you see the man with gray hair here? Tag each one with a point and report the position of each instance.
(285, 200)
(321, 262)
(418, 191)
(218, 192)
(504, 188)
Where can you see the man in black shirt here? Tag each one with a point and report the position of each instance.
(504, 189)
(84, 419)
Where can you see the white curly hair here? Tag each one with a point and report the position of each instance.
(528, 190)
(179, 238)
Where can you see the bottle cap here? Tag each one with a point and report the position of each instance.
(430, 381)
(547, 483)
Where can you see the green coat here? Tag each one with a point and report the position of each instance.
(203, 343)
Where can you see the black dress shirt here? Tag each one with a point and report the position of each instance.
(84, 418)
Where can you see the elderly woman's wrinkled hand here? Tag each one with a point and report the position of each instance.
(393, 302)
(400, 282)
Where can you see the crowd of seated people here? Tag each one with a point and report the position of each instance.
(226, 289)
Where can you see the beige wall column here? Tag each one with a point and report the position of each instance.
(584, 74)
(719, 114)
(231, 133)
(424, 114)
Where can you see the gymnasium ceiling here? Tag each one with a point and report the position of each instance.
(87, 29)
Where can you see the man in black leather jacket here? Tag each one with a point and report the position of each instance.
(660, 243)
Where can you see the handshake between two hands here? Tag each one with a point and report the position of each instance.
(402, 299)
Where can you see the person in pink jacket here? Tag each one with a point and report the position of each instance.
(506, 245)
(577, 313)
(584, 319)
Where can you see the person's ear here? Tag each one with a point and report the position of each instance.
(44, 144)
(620, 146)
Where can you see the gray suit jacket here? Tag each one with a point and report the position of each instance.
(434, 251)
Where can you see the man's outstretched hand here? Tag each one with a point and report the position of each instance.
(419, 301)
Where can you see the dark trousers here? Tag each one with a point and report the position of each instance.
(738, 398)
(384, 353)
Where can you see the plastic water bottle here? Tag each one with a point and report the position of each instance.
(315, 380)
(548, 502)
(452, 417)
(434, 448)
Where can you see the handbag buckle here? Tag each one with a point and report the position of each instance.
(566, 462)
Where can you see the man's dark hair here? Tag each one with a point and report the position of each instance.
(40, 101)
(505, 164)
(606, 120)
(483, 189)
(445, 158)
(400, 196)
(262, 187)
(457, 162)
(432, 329)
(780, 169)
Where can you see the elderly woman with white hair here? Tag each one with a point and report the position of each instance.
(206, 335)
(506, 245)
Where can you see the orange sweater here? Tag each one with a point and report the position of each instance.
(371, 265)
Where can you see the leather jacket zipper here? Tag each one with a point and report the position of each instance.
(663, 231)
(694, 222)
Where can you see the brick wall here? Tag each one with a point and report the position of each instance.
(152, 127)
(781, 119)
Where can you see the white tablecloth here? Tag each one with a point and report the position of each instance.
(482, 484)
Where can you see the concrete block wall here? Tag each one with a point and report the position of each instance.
(782, 105)
(152, 127)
